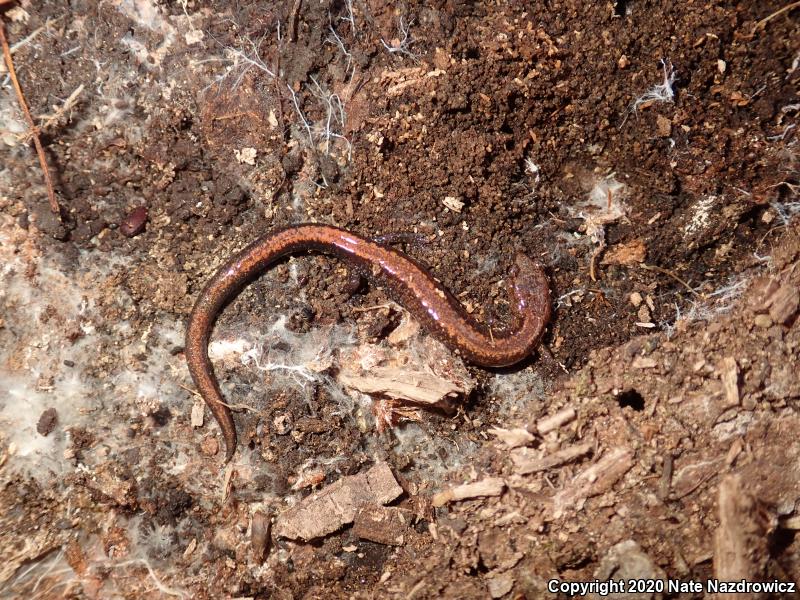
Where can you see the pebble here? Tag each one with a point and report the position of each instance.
(763, 321)
(209, 446)
(133, 224)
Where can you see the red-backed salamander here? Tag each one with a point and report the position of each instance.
(410, 284)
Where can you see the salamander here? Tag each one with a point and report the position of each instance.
(409, 283)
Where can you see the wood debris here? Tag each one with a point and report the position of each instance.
(730, 381)
(198, 414)
(512, 438)
(783, 304)
(400, 383)
(527, 461)
(336, 505)
(741, 542)
(629, 253)
(553, 422)
(491, 486)
(383, 524)
(780, 301)
(597, 479)
(260, 526)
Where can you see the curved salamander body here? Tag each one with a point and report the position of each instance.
(411, 285)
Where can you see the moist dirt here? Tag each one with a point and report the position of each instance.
(645, 153)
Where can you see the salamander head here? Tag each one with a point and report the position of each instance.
(531, 290)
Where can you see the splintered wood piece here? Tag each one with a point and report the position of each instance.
(51, 194)
(594, 480)
(336, 505)
(741, 540)
(491, 486)
(527, 462)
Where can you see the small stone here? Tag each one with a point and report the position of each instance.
(501, 585)
(636, 299)
(785, 304)
(282, 424)
(209, 446)
(47, 422)
(197, 414)
(246, 156)
(134, 223)
(644, 314)
(763, 321)
(453, 203)
(663, 126)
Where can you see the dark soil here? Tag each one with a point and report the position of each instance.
(517, 111)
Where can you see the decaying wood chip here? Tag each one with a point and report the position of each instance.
(663, 126)
(197, 416)
(336, 505)
(763, 288)
(400, 375)
(527, 461)
(741, 540)
(629, 253)
(259, 535)
(401, 383)
(548, 424)
(209, 446)
(382, 524)
(512, 438)
(692, 471)
(227, 480)
(665, 483)
(190, 548)
(594, 480)
(644, 362)
(781, 301)
(730, 381)
(785, 303)
(491, 486)
(407, 329)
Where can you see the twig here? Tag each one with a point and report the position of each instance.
(766, 20)
(593, 263)
(293, 19)
(48, 119)
(51, 193)
(670, 274)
